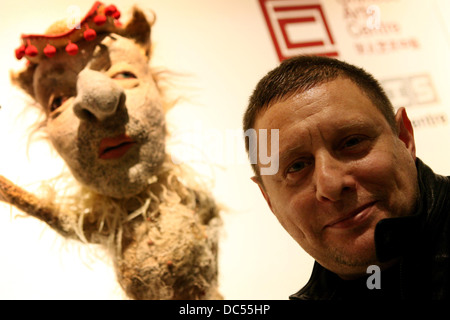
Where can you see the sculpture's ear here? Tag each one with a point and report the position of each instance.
(24, 79)
(139, 29)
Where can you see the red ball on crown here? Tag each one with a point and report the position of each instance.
(99, 19)
(50, 51)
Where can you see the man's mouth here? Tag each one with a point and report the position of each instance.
(354, 218)
(115, 147)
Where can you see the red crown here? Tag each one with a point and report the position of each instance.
(99, 19)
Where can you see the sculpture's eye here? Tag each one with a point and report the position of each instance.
(124, 75)
(56, 101)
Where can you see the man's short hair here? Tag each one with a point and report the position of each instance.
(298, 74)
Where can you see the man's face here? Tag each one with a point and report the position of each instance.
(104, 115)
(342, 169)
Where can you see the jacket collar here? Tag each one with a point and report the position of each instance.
(395, 237)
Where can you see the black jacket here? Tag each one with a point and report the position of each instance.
(421, 242)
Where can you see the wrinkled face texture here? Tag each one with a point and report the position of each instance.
(342, 169)
(104, 115)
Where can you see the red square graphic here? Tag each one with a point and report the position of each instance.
(298, 27)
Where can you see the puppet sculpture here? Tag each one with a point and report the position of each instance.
(105, 116)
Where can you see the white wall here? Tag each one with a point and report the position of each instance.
(225, 47)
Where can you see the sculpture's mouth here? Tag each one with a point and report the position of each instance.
(115, 147)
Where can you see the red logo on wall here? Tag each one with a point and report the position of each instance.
(298, 27)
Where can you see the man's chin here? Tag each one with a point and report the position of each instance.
(351, 256)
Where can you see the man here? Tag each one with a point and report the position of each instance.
(349, 188)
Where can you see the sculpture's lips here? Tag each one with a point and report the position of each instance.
(115, 147)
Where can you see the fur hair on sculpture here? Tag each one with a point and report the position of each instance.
(105, 116)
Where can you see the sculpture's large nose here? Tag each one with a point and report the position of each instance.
(97, 94)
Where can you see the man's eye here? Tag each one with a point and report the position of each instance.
(351, 142)
(56, 102)
(297, 166)
(356, 145)
(124, 75)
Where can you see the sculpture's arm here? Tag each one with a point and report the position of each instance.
(29, 203)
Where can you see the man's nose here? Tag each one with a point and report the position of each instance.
(97, 95)
(332, 178)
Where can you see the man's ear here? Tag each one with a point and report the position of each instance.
(260, 184)
(139, 28)
(405, 131)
